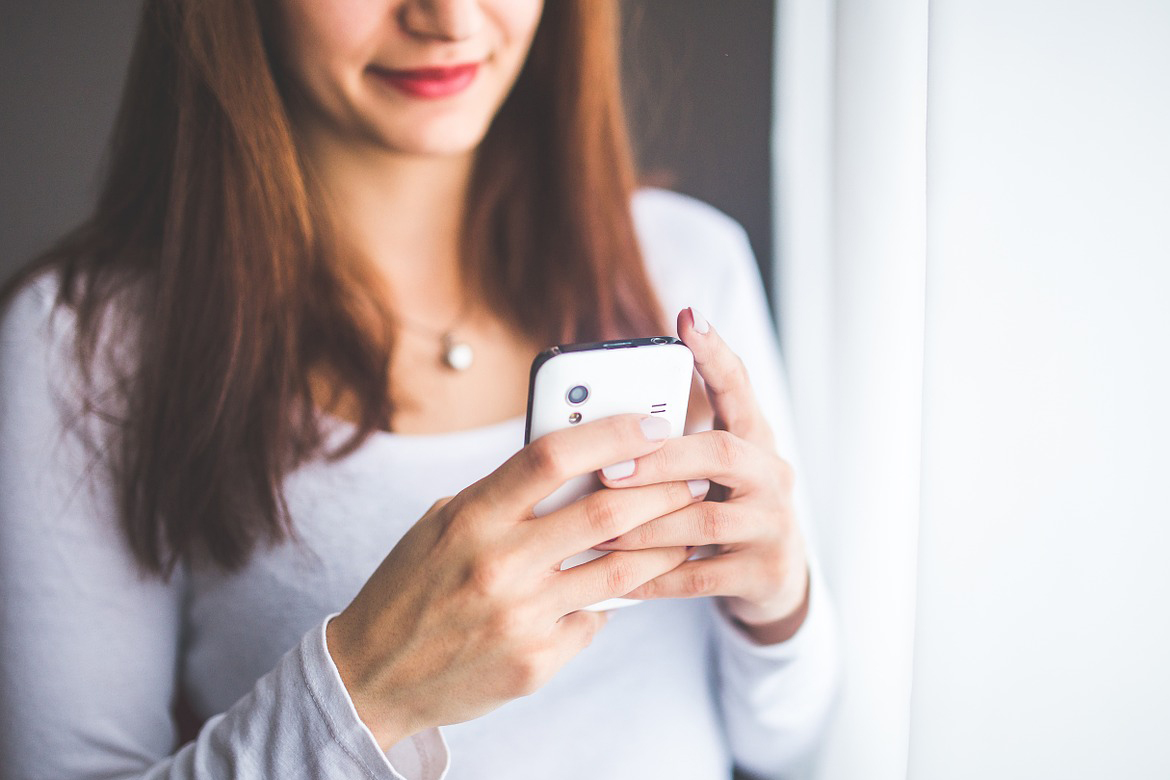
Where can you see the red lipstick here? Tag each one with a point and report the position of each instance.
(429, 83)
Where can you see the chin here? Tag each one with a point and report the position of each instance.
(450, 138)
(435, 147)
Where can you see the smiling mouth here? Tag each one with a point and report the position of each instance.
(428, 83)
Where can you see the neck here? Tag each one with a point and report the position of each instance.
(403, 214)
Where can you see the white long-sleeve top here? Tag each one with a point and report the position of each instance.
(92, 654)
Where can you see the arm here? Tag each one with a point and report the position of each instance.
(89, 649)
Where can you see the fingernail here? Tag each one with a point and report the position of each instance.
(700, 322)
(655, 428)
(699, 487)
(619, 470)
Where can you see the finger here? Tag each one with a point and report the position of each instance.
(611, 576)
(716, 455)
(732, 398)
(705, 522)
(575, 632)
(720, 575)
(604, 515)
(547, 463)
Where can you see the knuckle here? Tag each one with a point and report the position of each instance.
(506, 626)
(453, 537)
(676, 494)
(700, 582)
(653, 462)
(547, 458)
(725, 449)
(714, 522)
(734, 370)
(639, 536)
(526, 675)
(487, 576)
(602, 513)
(651, 589)
(620, 576)
(456, 531)
(462, 515)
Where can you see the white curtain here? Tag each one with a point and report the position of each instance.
(851, 232)
(973, 232)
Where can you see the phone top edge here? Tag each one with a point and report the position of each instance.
(614, 344)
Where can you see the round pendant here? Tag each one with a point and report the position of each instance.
(457, 354)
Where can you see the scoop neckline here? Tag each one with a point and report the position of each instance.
(441, 437)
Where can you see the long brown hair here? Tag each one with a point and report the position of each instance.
(210, 243)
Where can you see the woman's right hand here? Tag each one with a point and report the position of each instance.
(471, 609)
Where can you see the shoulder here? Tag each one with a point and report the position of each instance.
(38, 383)
(41, 332)
(30, 318)
(695, 254)
(656, 208)
(38, 370)
(31, 302)
(676, 229)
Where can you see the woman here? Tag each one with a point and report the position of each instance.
(315, 213)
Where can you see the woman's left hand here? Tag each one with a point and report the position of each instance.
(759, 569)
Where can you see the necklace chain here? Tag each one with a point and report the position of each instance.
(456, 354)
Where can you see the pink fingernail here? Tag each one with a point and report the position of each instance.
(619, 470)
(699, 321)
(655, 428)
(698, 487)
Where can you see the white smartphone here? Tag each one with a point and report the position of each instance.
(572, 384)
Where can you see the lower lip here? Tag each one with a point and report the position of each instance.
(429, 84)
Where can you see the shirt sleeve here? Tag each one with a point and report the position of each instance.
(776, 698)
(90, 648)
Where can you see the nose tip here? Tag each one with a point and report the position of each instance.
(447, 20)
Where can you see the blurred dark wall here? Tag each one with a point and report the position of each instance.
(698, 77)
(62, 63)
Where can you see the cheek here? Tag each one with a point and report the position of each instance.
(317, 33)
(516, 18)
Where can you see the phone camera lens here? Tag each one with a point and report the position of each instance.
(659, 340)
(577, 394)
